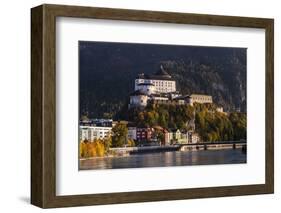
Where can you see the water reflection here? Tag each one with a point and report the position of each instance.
(203, 157)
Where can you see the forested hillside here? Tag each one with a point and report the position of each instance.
(107, 72)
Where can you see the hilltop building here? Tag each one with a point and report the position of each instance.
(160, 88)
(159, 82)
(138, 99)
(198, 98)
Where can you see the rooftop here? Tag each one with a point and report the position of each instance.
(142, 84)
(199, 95)
(137, 93)
(161, 74)
(96, 122)
(182, 97)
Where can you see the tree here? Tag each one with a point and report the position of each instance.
(82, 149)
(99, 148)
(162, 120)
(239, 122)
(131, 142)
(200, 120)
(107, 144)
(119, 135)
(151, 118)
(209, 124)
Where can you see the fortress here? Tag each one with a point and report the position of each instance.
(161, 88)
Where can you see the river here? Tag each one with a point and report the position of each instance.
(176, 158)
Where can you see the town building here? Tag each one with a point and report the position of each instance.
(170, 136)
(184, 137)
(114, 123)
(132, 133)
(167, 137)
(193, 137)
(84, 134)
(166, 133)
(92, 129)
(144, 134)
(96, 122)
(91, 133)
(176, 135)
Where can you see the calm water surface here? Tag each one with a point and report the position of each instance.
(180, 158)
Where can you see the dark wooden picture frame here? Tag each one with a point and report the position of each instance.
(43, 105)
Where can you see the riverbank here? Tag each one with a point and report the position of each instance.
(127, 151)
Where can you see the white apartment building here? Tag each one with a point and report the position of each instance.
(91, 133)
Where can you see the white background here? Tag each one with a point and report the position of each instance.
(15, 105)
(70, 181)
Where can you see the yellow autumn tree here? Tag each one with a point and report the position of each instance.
(92, 149)
(131, 142)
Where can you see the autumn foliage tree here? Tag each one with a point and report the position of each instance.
(210, 124)
(92, 149)
(119, 135)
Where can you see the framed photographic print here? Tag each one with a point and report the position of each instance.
(137, 106)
